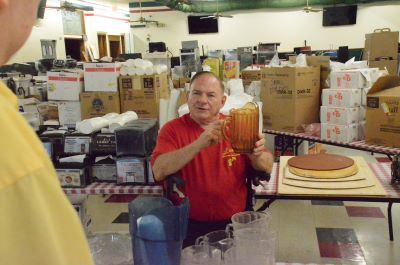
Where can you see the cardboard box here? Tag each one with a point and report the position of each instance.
(341, 97)
(351, 79)
(96, 104)
(323, 62)
(290, 97)
(64, 85)
(69, 112)
(231, 69)
(249, 76)
(339, 133)
(101, 77)
(390, 65)
(383, 117)
(183, 81)
(142, 94)
(361, 130)
(383, 43)
(48, 110)
(339, 115)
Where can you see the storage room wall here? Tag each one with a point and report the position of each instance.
(290, 27)
(103, 20)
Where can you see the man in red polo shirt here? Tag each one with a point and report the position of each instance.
(214, 176)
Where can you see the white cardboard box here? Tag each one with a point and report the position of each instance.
(64, 85)
(349, 98)
(353, 79)
(101, 77)
(69, 112)
(363, 113)
(339, 133)
(339, 115)
(361, 130)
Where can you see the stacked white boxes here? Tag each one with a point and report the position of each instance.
(343, 104)
(64, 88)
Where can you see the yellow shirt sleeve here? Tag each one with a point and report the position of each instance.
(38, 225)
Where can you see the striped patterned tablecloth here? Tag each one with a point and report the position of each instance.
(112, 188)
(381, 170)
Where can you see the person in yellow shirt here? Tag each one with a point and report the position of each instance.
(38, 225)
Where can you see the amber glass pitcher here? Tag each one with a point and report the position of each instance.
(241, 128)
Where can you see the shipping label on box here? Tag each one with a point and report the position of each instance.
(69, 112)
(383, 117)
(101, 77)
(77, 144)
(131, 170)
(341, 97)
(104, 172)
(64, 85)
(352, 79)
(339, 115)
(97, 104)
(70, 177)
(339, 133)
(297, 89)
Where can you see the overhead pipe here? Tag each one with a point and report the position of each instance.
(194, 6)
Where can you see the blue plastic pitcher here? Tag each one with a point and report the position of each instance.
(157, 228)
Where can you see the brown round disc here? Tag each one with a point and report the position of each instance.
(320, 162)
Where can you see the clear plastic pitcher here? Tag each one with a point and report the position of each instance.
(200, 255)
(220, 239)
(250, 219)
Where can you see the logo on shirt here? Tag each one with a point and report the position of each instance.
(230, 156)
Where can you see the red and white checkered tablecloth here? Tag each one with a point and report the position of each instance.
(112, 188)
(381, 170)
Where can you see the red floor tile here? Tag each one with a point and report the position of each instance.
(359, 211)
(350, 251)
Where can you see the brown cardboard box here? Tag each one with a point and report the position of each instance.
(290, 97)
(383, 118)
(140, 94)
(391, 65)
(323, 62)
(183, 81)
(381, 44)
(96, 104)
(249, 76)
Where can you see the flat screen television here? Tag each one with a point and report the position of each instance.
(339, 15)
(202, 24)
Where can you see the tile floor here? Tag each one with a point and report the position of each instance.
(317, 232)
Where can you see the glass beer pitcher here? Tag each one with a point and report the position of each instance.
(241, 128)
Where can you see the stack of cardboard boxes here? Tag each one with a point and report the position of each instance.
(381, 50)
(342, 112)
(64, 88)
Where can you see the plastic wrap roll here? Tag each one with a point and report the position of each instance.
(91, 125)
(139, 71)
(149, 70)
(131, 70)
(172, 104)
(122, 119)
(163, 111)
(124, 70)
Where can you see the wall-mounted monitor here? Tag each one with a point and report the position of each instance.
(339, 15)
(202, 24)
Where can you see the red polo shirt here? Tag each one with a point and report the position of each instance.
(214, 180)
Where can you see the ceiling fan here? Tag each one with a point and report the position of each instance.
(145, 21)
(217, 14)
(309, 9)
